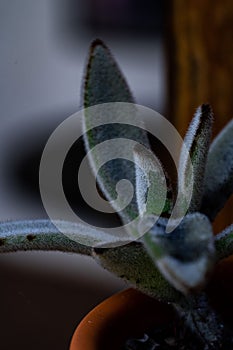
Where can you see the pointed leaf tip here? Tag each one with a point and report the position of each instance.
(206, 110)
(104, 81)
(104, 84)
(97, 42)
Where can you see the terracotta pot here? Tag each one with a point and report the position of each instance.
(126, 314)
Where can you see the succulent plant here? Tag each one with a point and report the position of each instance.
(172, 266)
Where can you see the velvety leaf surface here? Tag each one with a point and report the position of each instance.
(132, 263)
(219, 173)
(224, 243)
(44, 235)
(197, 141)
(104, 83)
(185, 255)
(151, 183)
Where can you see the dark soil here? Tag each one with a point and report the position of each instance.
(170, 337)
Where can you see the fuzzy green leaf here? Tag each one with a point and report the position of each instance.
(185, 255)
(103, 80)
(132, 263)
(44, 235)
(197, 141)
(224, 243)
(104, 84)
(219, 173)
(151, 184)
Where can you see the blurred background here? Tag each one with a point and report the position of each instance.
(175, 55)
(44, 46)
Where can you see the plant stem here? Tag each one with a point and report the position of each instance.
(204, 321)
(38, 235)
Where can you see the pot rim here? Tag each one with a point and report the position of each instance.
(125, 314)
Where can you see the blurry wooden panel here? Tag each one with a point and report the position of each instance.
(200, 65)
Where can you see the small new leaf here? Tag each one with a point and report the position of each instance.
(151, 184)
(185, 256)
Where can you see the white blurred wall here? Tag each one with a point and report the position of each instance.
(40, 77)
